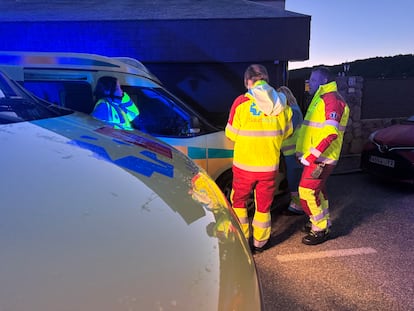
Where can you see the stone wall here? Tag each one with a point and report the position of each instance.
(351, 89)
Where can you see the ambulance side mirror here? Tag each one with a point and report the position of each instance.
(194, 125)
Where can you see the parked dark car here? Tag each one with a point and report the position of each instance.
(389, 154)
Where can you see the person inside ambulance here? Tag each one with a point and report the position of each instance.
(113, 105)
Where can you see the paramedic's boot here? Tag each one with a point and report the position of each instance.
(258, 250)
(316, 237)
(307, 227)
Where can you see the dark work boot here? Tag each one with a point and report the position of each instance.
(307, 227)
(316, 237)
(258, 250)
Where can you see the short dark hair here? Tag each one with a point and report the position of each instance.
(105, 87)
(325, 72)
(256, 72)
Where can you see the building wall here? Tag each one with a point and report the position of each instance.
(388, 98)
(194, 58)
(359, 128)
(202, 41)
(212, 87)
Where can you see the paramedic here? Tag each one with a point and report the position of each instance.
(113, 105)
(259, 121)
(318, 148)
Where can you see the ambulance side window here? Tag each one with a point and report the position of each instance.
(74, 95)
(49, 91)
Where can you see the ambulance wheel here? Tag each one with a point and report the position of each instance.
(224, 181)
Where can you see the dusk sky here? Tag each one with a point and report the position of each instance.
(350, 30)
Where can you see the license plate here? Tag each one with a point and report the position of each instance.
(382, 161)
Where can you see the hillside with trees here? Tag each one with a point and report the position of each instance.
(399, 66)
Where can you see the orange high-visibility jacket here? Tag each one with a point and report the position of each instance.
(258, 123)
(321, 135)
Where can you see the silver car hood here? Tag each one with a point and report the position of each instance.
(89, 224)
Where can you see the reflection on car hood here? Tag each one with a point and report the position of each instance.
(90, 220)
(396, 135)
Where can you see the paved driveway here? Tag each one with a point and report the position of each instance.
(367, 265)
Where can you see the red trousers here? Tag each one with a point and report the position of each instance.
(313, 196)
(263, 186)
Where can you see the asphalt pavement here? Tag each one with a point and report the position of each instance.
(366, 265)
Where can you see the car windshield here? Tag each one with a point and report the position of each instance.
(18, 105)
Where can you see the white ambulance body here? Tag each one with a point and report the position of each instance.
(69, 79)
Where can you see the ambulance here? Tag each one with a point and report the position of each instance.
(95, 218)
(69, 80)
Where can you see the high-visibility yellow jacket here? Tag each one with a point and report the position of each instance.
(117, 112)
(258, 123)
(321, 135)
(289, 144)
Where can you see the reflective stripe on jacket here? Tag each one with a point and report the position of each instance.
(289, 144)
(120, 115)
(257, 136)
(326, 118)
